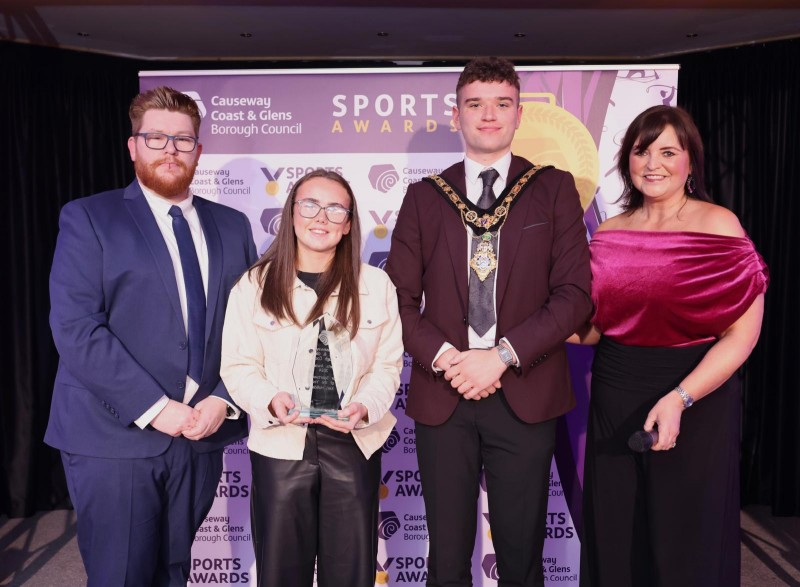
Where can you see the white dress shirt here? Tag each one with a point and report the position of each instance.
(160, 208)
(474, 183)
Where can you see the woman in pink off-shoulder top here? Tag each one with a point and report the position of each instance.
(678, 290)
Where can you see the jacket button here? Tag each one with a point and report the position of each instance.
(181, 384)
(182, 346)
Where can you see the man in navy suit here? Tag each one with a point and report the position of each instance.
(138, 289)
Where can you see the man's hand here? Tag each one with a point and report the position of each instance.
(475, 372)
(175, 418)
(483, 393)
(443, 362)
(212, 412)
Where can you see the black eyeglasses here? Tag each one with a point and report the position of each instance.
(334, 213)
(158, 141)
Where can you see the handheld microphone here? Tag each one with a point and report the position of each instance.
(642, 441)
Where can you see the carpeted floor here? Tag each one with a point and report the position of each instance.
(42, 551)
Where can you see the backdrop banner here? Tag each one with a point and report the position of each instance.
(383, 129)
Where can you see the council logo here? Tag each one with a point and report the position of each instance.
(489, 566)
(388, 524)
(378, 259)
(392, 441)
(271, 220)
(383, 177)
(197, 100)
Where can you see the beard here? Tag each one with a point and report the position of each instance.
(166, 186)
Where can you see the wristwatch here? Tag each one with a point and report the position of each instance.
(688, 400)
(505, 355)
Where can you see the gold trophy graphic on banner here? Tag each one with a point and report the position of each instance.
(550, 135)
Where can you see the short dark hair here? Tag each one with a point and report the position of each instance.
(488, 69)
(162, 98)
(645, 129)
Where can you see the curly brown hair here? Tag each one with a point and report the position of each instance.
(488, 69)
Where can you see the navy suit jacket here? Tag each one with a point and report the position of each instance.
(118, 327)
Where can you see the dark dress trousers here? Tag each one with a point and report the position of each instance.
(117, 324)
(542, 296)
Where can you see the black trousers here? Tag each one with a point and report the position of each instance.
(323, 507)
(516, 459)
(666, 518)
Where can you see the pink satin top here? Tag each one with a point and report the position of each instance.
(672, 289)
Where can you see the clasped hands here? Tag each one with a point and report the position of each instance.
(194, 423)
(475, 373)
(283, 402)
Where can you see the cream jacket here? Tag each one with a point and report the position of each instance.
(262, 355)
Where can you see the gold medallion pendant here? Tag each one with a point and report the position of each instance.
(484, 261)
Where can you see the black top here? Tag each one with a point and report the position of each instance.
(323, 392)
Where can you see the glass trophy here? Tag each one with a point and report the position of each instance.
(322, 369)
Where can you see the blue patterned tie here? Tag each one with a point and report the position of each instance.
(195, 294)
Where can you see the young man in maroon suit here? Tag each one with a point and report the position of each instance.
(497, 247)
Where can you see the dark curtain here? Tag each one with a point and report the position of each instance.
(746, 102)
(64, 125)
(63, 117)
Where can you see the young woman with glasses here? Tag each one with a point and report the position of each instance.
(312, 351)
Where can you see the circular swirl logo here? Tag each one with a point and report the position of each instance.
(271, 220)
(392, 441)
(383, 177)
(388, 524)
(489, 566)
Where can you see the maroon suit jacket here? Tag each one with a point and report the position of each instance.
(542, 292)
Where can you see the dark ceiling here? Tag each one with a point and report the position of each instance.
(411, 32)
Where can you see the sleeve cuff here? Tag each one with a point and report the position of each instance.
(144, 420)
(445, 347)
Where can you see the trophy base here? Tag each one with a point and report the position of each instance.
(317, 412)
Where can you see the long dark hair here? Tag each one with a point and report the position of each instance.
(277, 267)
(645, 129)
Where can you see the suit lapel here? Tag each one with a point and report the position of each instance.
(511, 233)
(214, 246)
(455, 234)
(145, 221)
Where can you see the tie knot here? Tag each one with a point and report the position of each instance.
(175, 212)
(489, 176)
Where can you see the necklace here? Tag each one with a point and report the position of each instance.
(484, 259)
(486, 221)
